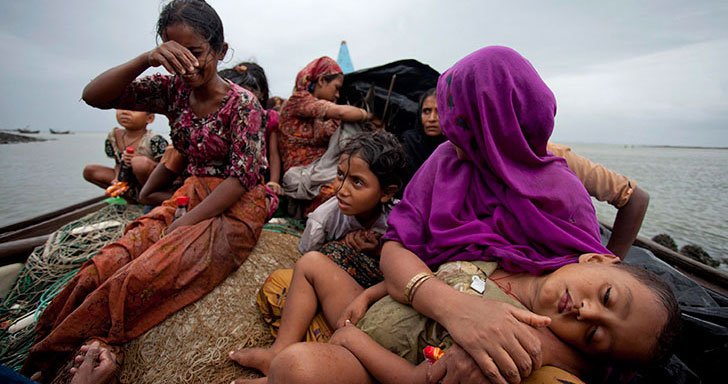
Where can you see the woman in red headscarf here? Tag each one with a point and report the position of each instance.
(311, 116)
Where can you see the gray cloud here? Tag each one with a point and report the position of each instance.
(622, 71)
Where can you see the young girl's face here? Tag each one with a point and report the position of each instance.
(358, 189)
(328, 90)
(601, 310)
(133, 120)
(200, 48)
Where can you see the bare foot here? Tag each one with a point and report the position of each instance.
(262, 380)
(256, 358)
(98, 365)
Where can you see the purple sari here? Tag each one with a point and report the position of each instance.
(510, 201)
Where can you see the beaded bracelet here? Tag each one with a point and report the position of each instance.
(415, 281)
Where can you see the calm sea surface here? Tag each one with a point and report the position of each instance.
(688, 187)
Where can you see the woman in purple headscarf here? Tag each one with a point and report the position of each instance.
(491, 193)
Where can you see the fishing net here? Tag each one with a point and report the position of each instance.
(48, 269)
(190, 346)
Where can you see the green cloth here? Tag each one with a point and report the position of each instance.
(404, 331)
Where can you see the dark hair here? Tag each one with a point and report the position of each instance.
(256, 71)
(327, 79)
(244, 79)
(272, 102)
(662, 350)
(383, 153)
(196, 14)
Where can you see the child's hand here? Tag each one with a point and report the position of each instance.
(174, 57)
(362, 240)
(345, 335)
(354, 311)
(126, 158)
(275, 187)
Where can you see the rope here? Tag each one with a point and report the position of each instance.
(49, 268)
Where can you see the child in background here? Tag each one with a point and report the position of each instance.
(251, 76)
(345, 231)
(148, 149)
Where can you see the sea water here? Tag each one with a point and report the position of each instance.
(687, 186)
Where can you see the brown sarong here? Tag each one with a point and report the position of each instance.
(135, 283)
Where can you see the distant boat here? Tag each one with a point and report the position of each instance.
(59, 132)
(26, 130)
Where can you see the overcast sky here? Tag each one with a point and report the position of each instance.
(632, 72)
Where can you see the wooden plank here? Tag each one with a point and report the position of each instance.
(17, 251)
(48, 223)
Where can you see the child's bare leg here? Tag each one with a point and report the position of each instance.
(318, 363)
(99, 175)
(316, 279)
(142, 167)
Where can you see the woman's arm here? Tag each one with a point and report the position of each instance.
(347, 113)
(627, 223)
(225, 195)
(156, 189)
(109, 86)
(498, 336)
(275, 162)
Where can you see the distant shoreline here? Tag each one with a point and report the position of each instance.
(14, 138)
(677, 146)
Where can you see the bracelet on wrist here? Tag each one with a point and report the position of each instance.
(415, 283)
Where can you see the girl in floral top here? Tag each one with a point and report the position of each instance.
(161, 265)
(311, 116)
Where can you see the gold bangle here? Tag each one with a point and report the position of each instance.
(364, 114)
(411, 284)
(272, 183)
(417, 286)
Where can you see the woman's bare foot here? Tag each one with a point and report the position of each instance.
(98, 365)
(256, 358)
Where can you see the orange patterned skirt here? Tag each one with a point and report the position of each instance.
(135, 283)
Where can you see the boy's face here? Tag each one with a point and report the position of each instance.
(133, 120)
(601, 310)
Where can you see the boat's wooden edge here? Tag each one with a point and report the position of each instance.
(704, 275)
(47, 223)
(17, 251)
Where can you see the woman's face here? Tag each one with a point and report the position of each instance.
(328, 90)
(200, 48)
(601, 310)
(430, 120)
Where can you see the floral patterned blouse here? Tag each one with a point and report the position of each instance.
(226, 143)
(304, 132)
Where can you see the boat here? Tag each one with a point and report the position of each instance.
(705, 287)
(28, 131)
(187, 346)
(59, 132)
